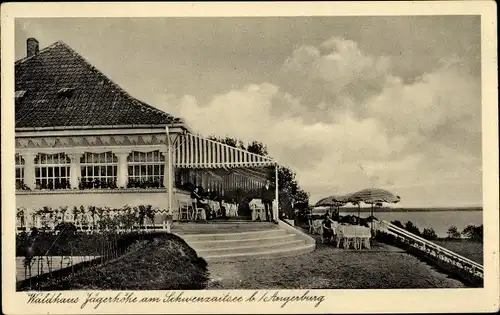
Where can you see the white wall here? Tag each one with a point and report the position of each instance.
(115, 198)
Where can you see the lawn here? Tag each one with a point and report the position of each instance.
(466, 248)
(383, 267)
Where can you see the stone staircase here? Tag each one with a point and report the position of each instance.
(235, 241)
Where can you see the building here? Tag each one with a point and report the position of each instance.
(81, 140)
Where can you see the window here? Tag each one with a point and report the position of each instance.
(19, 172)
(98, 170)
(52, 171)
(65, 92)
(146, 169)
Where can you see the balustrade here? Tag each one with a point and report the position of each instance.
(443, 254)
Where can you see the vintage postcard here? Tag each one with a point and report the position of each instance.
(249, 157)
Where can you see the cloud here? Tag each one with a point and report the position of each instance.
(343, 121)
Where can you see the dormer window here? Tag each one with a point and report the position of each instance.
(65, 92)
(20, 94)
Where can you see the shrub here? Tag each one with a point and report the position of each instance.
(474, 233)
(398, 224)
(412, 228)
(453, 232)
(429, 234)
(67, 228)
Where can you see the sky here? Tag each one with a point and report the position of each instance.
(346, 102)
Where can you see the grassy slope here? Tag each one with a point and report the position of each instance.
(330, 268)
(164, 263)
(466, 248)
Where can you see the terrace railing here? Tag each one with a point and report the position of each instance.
(435, 251)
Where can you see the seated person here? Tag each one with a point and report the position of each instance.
(327, 213)
(327, 228)
(222, 206)
(200, 202)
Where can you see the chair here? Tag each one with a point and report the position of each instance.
(183, 210)
(233, 209)
(367, 235)
(316, 227)
(257, 213)
(335, 229)
(199, 214)
(367, 242)
(216, 207)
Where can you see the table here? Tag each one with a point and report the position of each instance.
(355, 235)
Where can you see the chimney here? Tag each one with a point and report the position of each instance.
(32, 47)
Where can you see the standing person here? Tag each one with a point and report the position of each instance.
(267, 196)
(199, 202)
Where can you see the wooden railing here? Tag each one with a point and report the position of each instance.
(436, 252)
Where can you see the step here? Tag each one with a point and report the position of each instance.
(202, 245)
(250, 249)
(212, 224)
(288, 252)
(232, 236)
(221, 228)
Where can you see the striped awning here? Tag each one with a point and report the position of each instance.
(194, 151)
(253, 173)
(214, 175)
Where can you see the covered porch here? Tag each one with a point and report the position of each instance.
(229, 179)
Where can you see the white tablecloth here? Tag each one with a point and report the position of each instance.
(231, 209)
(258, 212)
(355, 235)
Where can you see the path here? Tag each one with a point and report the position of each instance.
(382, 267)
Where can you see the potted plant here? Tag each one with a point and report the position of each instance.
(131, 183)
(150, 214)
(112, 184)
(20, 215)
(169, 220)
(141, 214)
(92, 210)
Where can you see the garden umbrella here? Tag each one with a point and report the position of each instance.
(373, 196)
(333, 201)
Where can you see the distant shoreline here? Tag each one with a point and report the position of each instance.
(364, 210)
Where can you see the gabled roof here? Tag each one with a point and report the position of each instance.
(63, 89)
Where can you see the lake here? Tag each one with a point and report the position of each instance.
(440, 221)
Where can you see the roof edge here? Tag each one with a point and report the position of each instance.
(59, 128)
(39, 52)
(141, 104)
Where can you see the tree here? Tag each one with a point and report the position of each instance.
(429, 234)
(257, 148)
(233, 142)
(302, 197)
(412, 228)
(289, 189)
(398, 224)
(474, 233)
(453, 232)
